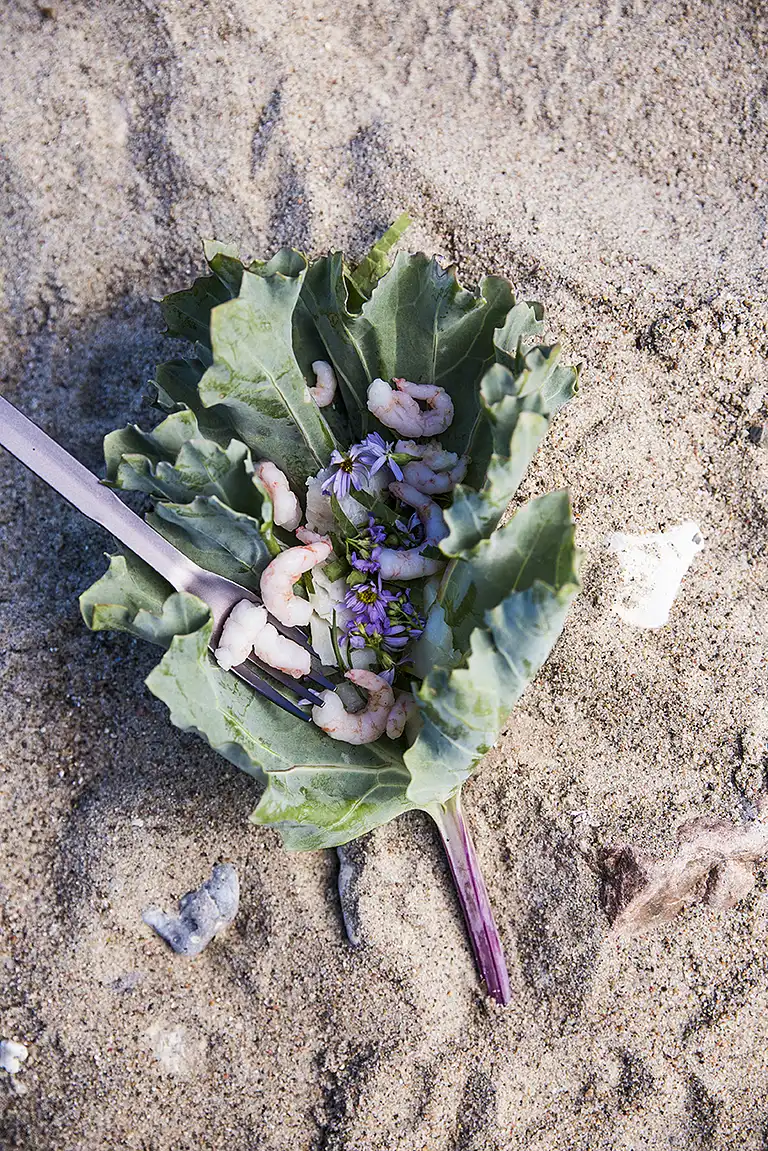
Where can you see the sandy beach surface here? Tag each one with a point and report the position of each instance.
(611, 159)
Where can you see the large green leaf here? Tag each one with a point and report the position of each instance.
(216, 537)
(432, 331)
(326, 806)
(132, 597)
(518, 397)
(256, 377)
(418, 323)
(335, 790)
(536, 544)
(506, 603)
(176, 463)
(464, 710)
(376, 263)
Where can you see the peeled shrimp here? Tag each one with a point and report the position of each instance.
(361, 726)
(241, 627)
(408, 563)
(286, 510)
(404, 706)
(400, 411)
(246, 630)
(432, 453)
(432, 483)
(282, 573)
(325, 389)
(279, 652)
(307, 536)
(427, 510)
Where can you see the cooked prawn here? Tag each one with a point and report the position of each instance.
(427, 510)
(407, 563)
(432, 453)
(286, 510)
(361, 726)
(404, 706)
(241, 626)
(400, 410)
(421, 476)
(307, 536)
(282, 573)
(281, 653)
(325, 388)
(247, 630)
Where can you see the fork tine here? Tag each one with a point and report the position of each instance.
(247, 675)
(295, 685)
(323, 681)
(294, 634)
(299, 638)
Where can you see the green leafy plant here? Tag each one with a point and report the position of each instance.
(487, 619)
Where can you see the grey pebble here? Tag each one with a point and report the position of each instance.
(202, 913)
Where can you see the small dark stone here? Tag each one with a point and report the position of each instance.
(755, 433)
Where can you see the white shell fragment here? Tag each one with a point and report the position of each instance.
(12, 1055)
(652, 568)
(202, 913)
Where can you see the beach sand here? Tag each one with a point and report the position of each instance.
(610, 159)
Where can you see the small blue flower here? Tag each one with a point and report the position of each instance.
(412, 533)
(350, 471)
(377, 532)
(378, 453)
(361, 564)
(369, 601)
(393, 636)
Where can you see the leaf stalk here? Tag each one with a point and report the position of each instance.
(473, 897)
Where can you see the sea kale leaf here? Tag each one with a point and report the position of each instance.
(506, 605)
(255, 376)
(132, 597)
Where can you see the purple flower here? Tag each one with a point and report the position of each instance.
(363, 557)
(369, 601)
(412, 533)
(394, 636)
(362, 634)
(377, 532)
(350, 470)
(378, 453)
(359, 563)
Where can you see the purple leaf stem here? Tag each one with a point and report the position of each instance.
(473, 897)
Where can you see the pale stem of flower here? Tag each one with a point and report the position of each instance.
(473, 897)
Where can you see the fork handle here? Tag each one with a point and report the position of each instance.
(69, 478)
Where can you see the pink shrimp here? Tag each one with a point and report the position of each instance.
(241, 626)
(325, 389)
(286, 508)
(281, 653)
(421, 476)
(403, 707)
(361, 726)
(427, 510)
(307, 536)
(247, 630)
(406, 563)
(282, 573)
(400, 410)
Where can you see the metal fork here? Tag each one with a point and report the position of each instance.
(69, 478)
